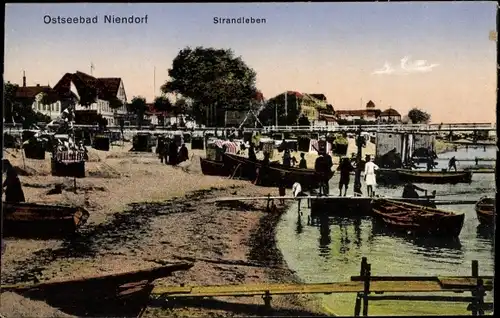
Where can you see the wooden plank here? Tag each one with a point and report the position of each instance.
(463, 282)
(282, 289)
(422, 278)
(463, 299)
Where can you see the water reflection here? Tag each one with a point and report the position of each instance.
(324, 236)
(485, 232)
(299, 228)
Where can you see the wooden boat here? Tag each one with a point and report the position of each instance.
(33, 219)
(417, 220)
(308, 178)
(213, 167)
(485, 210)
(118, 295)
(415, 176)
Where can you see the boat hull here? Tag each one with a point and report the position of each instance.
(485, 211)
(37, 220)
(404, 176)
(213, 168)
(307, 178)
(120, 295)
(417, 220)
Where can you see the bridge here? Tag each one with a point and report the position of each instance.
(430, 128)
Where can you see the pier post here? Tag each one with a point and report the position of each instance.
(359, 296)
(475, 274)
(267, 300)
(366, 290)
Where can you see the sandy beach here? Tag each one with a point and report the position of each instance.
(144, 213)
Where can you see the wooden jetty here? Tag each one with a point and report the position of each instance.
(363, 285)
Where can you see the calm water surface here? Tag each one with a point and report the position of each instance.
(331, 250)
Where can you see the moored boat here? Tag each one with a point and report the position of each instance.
(213, 167)
(415, 176)
(33, 219)
(485, 211)
(118, 295)
(308, 178)
(417, 220)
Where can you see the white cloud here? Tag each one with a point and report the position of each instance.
(387, 69)
(407, 66)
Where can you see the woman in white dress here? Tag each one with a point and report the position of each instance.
(370, 178)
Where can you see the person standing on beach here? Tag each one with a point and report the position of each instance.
(452, 164)
(160, 149)
(323, 166)
(172, 153)
(303, 162)
(345, 169)
(183, 154)
(251, 153)
(370, 178)
(287, 160)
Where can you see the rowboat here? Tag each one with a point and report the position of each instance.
(485, 210)
(413, 176)
(417, 220)
(213, 167)
(308, 178)
(34, 219)
(118, 295)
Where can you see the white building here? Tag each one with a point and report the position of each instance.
(105, 92)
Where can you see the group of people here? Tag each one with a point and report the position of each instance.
(168, 151)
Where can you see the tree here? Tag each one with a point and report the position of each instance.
(418, 116)
(138, 106)
(212, 79)
(162, 104)
(115, 103)
(304, 121)
(9, 101)
(276, 106)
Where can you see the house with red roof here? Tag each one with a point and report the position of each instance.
(33, 95)
(104, 95)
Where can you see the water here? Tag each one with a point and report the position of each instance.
(332, 249)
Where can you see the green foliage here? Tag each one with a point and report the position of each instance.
(304, 121)
(22, 112)
(162, 104)
(418, 116)
(210, 77)
(9, 101)
(276, 106)
(115, 103)
(138, 106)
(341, 140)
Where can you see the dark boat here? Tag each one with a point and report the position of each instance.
(417, 220)
(414, 176)
(213, 167)
(33, 219)
(118, 295)
(485, 210)
(307, 178)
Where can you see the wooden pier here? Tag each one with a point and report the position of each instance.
(363, 285)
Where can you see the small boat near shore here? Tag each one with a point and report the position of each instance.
(118, 295)
(308, 178)
(392, 176)
(34, 219)
(417, 220)
(213, 168)
(485, 211)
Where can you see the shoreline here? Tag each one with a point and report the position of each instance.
(170, 223)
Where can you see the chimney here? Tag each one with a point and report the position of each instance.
(24, 79)
(37, 85)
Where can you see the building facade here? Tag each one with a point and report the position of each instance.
(86, 92)
(390, 116)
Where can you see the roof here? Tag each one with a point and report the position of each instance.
(390, 112)
(359, 112)
(321, 97)
(327, 118)
(106, 87)
(150, 110)
(31, 91)
(294, 93)
(370, 104)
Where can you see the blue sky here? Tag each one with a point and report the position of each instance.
(303, 46)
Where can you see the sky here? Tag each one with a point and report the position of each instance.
(436, 56)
